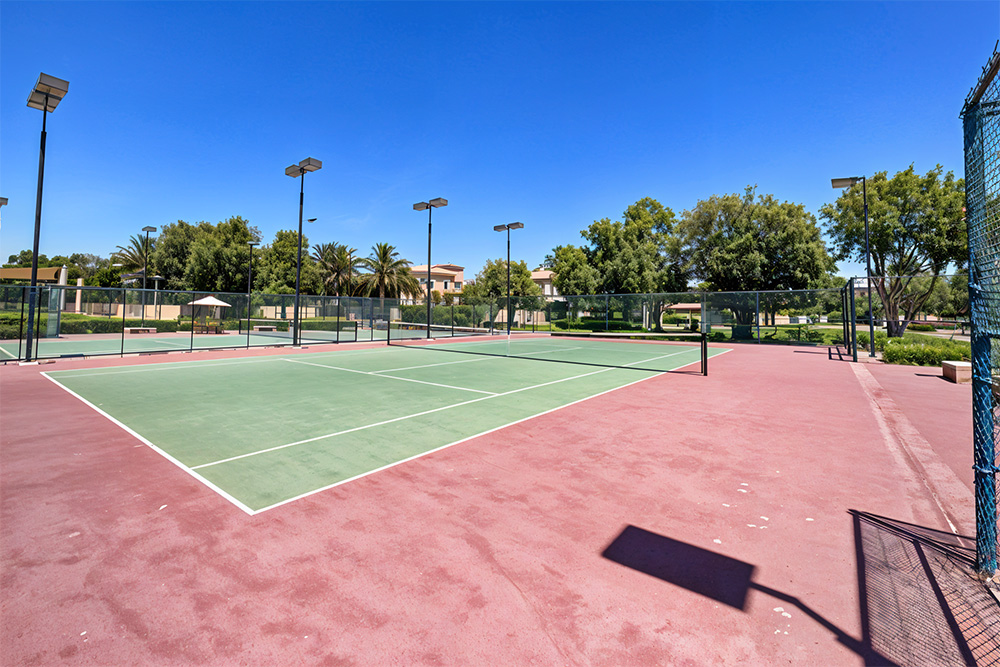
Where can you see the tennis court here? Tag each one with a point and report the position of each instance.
(263, 431)
(106, 344)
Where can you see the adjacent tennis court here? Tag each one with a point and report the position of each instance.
(262, 431)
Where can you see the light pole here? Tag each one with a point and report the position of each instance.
(145, 268)
(839, 183)
(250, 284)
(45, 96)
(295, 171)
(507, 228)
(3, 202)
(156, 288)
(429, 206)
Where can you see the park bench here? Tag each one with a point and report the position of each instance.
(957, 371)
(140, 330)
(265, 327)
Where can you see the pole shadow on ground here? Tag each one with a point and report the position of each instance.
(920, 603)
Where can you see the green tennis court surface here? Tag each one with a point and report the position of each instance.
(84, 345)
(266, 430)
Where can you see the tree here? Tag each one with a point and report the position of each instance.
(571, 272)
(338, 267)
(204, 257)
(916, 228)
(133, 256)
(491, 281)
(629, 255)
(746, 243)
(389, 275)
(277, 266)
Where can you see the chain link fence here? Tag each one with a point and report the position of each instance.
(981, 119)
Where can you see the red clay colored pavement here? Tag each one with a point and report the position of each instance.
(487, 553)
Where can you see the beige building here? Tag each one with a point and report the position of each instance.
(543, 278)
(445, 278)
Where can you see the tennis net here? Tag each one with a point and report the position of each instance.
(315, 331)
(660, 352)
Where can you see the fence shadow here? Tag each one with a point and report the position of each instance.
(920, 600)
(716, 576)
(921, 604)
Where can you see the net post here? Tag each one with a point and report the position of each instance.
(704, 352)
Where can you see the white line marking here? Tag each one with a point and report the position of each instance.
(451, 444)
(4, 350)
(167, 456)
(389, 377)
(169, 366)
(444, 363)
(420, 414)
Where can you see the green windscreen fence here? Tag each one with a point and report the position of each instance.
(981, 121)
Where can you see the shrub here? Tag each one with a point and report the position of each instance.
(902, 351)
(880, 339)
(921, 327)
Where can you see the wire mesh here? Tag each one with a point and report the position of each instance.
(981, 120)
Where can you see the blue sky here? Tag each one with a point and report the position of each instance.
(553, 114)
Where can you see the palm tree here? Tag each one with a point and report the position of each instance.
(388, 274)
(338, 266)
(133, 256)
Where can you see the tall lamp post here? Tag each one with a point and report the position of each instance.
(295, 171)
(156, 288)
(250, 285)
(45, 96)
(839, 183)
(145, 268)
(429, 206)
(507, 228)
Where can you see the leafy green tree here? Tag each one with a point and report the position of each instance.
(748, 242)
(204, 257)
(23, 258)
(571, 272)
(916, 228)
(491, 281)
(388, 274)
(277, 266)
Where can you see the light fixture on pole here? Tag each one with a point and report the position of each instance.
(507, 228)
(250, 285)
(45, 96)
(839, 183)
(145, 268)
(429, 206)
(295, 171)
(3, 202)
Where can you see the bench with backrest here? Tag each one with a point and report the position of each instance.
(140, 330)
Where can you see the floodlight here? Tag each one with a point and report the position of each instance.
(838, 183)
(47, 93)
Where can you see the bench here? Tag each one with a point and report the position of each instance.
(208, 329)
(265, 327)
(957, 371)
(140, 330)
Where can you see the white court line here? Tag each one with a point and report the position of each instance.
(7, 353)
(169, 366)
(452, 444)
(163, 453)
(425, 412)
(202, 363)
(389, 377)
(443, 363)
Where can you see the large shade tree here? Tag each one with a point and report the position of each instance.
(752, 242)
(916, 230)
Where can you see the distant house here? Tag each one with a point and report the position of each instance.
(543, 278)
(445, 278)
